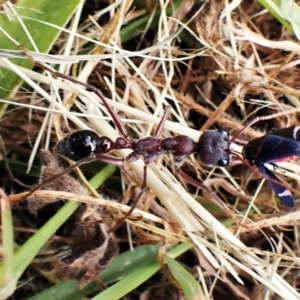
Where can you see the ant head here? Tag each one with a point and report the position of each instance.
(77, 145)
(214, 148)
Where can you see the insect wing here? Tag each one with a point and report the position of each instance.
(275, 147)
(283, 193)
(292, 132)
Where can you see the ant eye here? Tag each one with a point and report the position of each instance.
(223, 132)
(223, 162)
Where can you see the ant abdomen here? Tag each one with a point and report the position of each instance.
(214, 148)
(82, 143)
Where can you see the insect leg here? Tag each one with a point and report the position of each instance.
(121, 220)
(281, 191)
(162, 121)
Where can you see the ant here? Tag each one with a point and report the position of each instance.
(82, 146)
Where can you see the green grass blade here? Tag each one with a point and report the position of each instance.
(138, 276)
(100, 177)
(274, 8)
(121, 266)
(129, 283)
(7, 279)
(137, 27)
(43, 36)
(33, 245)
(189, 285)
(61, 291)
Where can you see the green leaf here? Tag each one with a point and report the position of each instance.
(12, 34)
(7, 279)
(138, 276)
(33, 245)
(190, 286)
(61, 291)
(273, 6)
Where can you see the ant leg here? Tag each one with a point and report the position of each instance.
(269, 176)
(113, 115)
(116, 119)
(162, 121)
(192, 181)
(105, 158)
(64, 172)
(121, 220)
(264, 118)
(215, 199)
(202, 186)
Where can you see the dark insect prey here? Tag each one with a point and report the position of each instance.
(275, 146)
